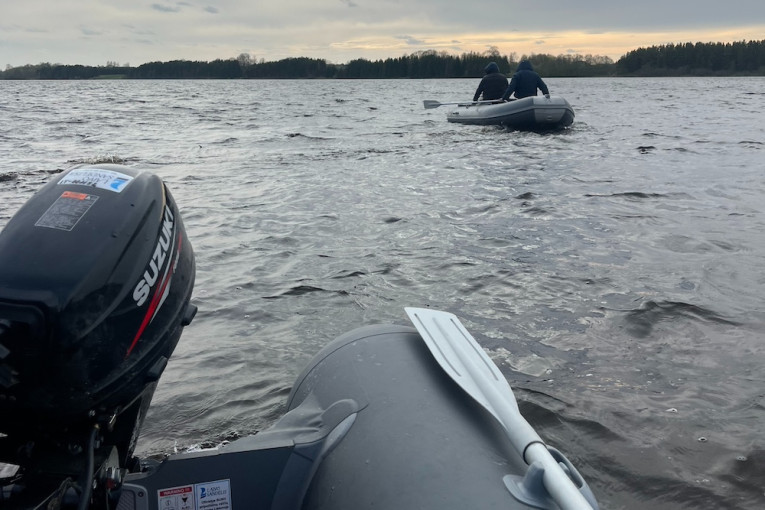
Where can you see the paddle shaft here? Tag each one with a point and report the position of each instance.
(429, 103)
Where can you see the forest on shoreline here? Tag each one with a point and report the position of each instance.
(745, 58)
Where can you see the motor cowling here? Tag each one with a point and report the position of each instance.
(96, 276)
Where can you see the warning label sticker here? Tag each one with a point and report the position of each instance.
(200, 496)
(98, 178)
(177, 498)
(67, 210)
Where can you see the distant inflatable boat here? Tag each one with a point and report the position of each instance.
(536, 112)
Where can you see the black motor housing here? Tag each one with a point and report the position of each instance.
(96, 275)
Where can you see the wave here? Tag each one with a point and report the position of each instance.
(641, 321)
(308, 137)
(636, 195)
(300, 290)
(106, 158)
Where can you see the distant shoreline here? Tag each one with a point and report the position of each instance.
(745, 58)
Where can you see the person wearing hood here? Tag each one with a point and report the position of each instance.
(525, 83)
(492, 85)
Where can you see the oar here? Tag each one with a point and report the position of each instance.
(467, 363)
(430, 103)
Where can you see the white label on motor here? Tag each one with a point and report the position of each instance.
(98, 178)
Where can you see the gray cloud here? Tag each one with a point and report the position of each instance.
(165, 8)
(412, 41)
(90, 31)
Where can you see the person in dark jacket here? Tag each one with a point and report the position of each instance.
(525, 83)
(492, 85)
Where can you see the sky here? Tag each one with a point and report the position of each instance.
(133, 32)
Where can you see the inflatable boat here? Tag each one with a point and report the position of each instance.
(536, 112)
(96, 276)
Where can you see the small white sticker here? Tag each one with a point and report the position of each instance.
(97, 177)
(213, 495)
(176, 498)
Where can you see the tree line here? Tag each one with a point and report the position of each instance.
(738, 58)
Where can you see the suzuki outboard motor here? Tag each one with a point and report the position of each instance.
(96, 275)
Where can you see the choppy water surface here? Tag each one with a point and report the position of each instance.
(614, 271)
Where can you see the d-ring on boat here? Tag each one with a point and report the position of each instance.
(96, 275)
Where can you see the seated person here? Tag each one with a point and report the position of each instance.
(492, 85)
(525, 83)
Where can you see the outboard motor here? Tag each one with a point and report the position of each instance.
(96, 276)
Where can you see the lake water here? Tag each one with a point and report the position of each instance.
(613, 270)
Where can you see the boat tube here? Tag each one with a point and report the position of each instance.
(388, 416)
(372, 421)
(535, 112)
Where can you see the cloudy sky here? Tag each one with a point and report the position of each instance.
(94, 32)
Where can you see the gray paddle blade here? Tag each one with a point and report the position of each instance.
(460, 355)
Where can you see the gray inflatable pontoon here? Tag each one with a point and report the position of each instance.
(536, 112)
(390, 417)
